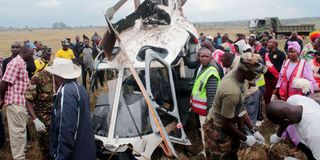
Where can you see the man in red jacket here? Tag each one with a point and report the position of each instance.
(273, 59)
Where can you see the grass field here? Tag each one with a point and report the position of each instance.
(49, 37)
(52, 38)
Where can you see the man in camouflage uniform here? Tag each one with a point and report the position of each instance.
(227, 116)
(39, 103)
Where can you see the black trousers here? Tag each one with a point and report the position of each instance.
(99, 76)
(85, 72)
(306, 151)
(2, 135)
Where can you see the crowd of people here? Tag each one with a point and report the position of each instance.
(256, 73)
(59, 107)
(233, 82)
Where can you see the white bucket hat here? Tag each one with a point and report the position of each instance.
(64, 68)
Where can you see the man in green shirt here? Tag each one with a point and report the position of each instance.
(228, 116)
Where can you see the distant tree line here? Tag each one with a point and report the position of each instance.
(59, 25)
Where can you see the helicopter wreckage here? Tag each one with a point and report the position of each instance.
(142, 109)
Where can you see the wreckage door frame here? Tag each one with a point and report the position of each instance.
(115, 104)
(148, 60)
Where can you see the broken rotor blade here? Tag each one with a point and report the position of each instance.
(112, 10)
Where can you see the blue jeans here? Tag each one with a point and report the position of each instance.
(2, 135)
(252, 105)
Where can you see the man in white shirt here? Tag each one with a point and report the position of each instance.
(87, 60)
(304, 114)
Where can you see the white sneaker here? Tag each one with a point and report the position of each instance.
(259, 123)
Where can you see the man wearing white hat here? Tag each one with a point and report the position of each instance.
(255, 45)
(71, 132)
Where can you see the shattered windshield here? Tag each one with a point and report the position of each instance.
(161, 91)
(133, 116)
(103, 101)
(160, 88)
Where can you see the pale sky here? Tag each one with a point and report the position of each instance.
(35, 13)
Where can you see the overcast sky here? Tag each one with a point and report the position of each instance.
(35, 13)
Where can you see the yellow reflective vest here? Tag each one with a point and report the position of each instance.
(260, 81)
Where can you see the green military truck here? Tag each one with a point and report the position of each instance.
(258, 26)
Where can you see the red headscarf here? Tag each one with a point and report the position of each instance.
(314, 35)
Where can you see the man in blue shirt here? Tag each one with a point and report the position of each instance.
(217, 40)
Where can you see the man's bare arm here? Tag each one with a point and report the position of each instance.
(231, 129)
(29, 105)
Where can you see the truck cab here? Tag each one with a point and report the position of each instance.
(260, 25)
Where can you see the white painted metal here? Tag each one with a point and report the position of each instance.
(171, 37)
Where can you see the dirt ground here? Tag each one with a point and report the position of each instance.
(257, 152)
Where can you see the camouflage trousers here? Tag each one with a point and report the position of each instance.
(43, 137)
(218, 144)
